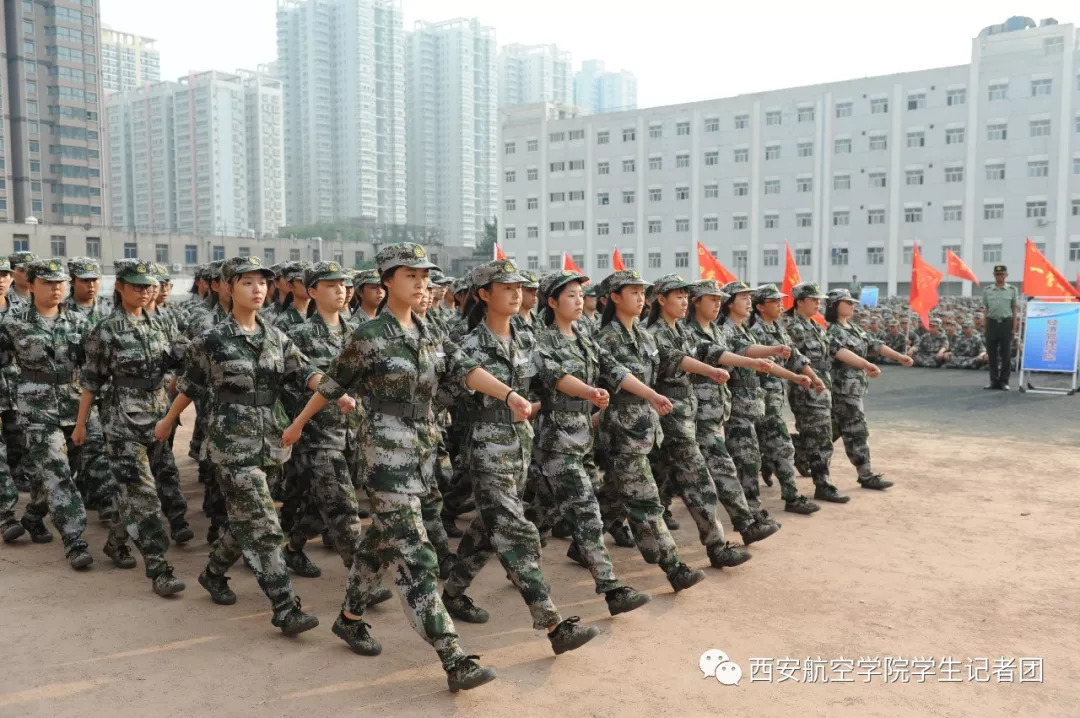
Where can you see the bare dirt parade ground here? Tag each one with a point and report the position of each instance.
(967, 567)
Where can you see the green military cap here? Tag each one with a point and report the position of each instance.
(435, 276)
(622, 278)
(51, 270)
(295, 271)
(733, 288)
(323, 270)
(161, 273)
(460, 285)
(767, 292)
(969, 324)
(235, 266)
(532, 280)
(213, 270)
(276, 269)
(18, 259)
(366, 276)
(5, 265)
(892, 323)
(551, 282)
(669, 283)
(402, 254)
(134, 271)
(935, 323)
(1000, 269)
(443, 280)
(84, 268)
(707, 288)
(589, 290)
(841, 295)
(501, 271)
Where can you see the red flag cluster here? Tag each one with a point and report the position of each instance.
(924, 285)
(711, 267)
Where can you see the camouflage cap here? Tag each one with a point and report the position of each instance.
(460, 285)
(501, 271)
(969, 324)
(18, 259)
(323, 270)
(893, 324)
(807, 290)
(366, 276)
(669, 283)
(840, 295)
(733, 288)
(444, 280)
(532, 281)
(161, 273)
(50, 270)
(5, 265)
(551, 282)
(295, 271)
(935, 323)
(767, 292)
(706, 287)
(402, 254)
(84, 268)
(134, 271)
(622, 278)
(235, 266)
(435, 276)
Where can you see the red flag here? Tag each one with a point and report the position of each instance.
(568, 263)
(616, 261)
(955, 267)
(1042, 279)
(498, 252)
(791, 277)
(820, 319)
(711, 267)
(924, 284)
(1078, 281)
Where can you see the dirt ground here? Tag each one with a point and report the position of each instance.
(973, 555)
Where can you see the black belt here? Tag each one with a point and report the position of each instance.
(623, 398)
(1006, 319)
(48, 377)
(150, 383)
(676, 392)
(497, 415)
(402, 409)
(745, 384)
(263, 397)
(565, 403)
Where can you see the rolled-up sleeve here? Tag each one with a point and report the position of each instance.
(96, 370)
(195, 380)
(458, 366)
(612, 372)
(347, 369)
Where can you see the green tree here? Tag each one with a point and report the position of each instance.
(486, 246)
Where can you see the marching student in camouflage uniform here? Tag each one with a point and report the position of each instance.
(524, 319)
(368, 296)
(237, 370)
(46, 342)
(392, 361)
(630, 426)
(777, 451)
(276, 300)
(931, 348)
(127, 355)
(849, 346)
(10, 528)
(19, 294)
(687, 472)
(18, 297)
(498, 448)
(969, 351)
(294, 312)
(590, 317)
(571, 367)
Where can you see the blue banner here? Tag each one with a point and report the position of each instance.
(869, 296)
(1050, 336)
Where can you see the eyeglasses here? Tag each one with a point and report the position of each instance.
(143, 288)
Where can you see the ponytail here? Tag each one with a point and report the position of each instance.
(609, 313)
(654, 312)
(383, 279)
(478, 311)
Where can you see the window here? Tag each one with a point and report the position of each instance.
(740, 259)
(534, 174)
(682, 159)
(841, 218)
(843, 109)
(656, 131)
(1036, 210)
(555, 261)
(511, 176)
(772, 186)
(35, 166)
(682, 224)
(628, 166)
(20, 244)
(682, 260)
(770, 257)
(35, 146)
(131, 251)
(841, 182)
(577, 195)
(1076, 124)
(953, 213)
(711, 224)
(1041, 87)
(907, 254)
(916, 139)
(557, 167)
(954, 136)
(628, 226)
(742, 122)
(1076, 166)
(842, 146)
(682, 128)
(956, 97)
(742, 155)
(712, 191)
(629, 135)
(995, 171)
(577, 165)
(532, 203)
(805, 149)
(804, 219)
(772, 220)
(603, 260)
(912, 215)
(556, 137)
(294, 255)
(879, 106)
(557, 226)
(914, 177)
(682, 192)
(712, 124)
(191, 254)
(656, 163)
(93, 247)
(712, 158)
(772, 118)
(802, 257)
(577, 225)
(655, 194)
(991, 253)
(576, 135)
(806, 114)
(994, 210)
(161, 253)
(916, 100)
(1054, 45)
(511, 205)
(628, 196)
(603, 168)
(1038, 168)
(603, 137)
(533, 262)
(875, 255)
(509, 148)
(629, 260)
(875, 216)
(877, 179)
(804, 184)
(654, 260)
(838, 256)
(998, 91)
(1076, 208)
(738, 221)
(1039, 128)
(58, 245)
(532, 145)
(997, 131)
(557, 196)
(772, 152)
(602, 228)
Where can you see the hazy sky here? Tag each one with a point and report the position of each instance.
(680, 50)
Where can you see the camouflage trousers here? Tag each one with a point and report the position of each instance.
(687, 475)
(329, 500)
(966, 362)
(629, 477)
(398, 539)
(167, 479)
(501, 529)
(813, 422)
(53, 457)
(849, 422)
(94, 477)
(777, 451)
(9, 495)
(254, 532)
(928, 360)
(14, 442)
(568, 485)
(213, 504)
(713, 448)
(140, 509)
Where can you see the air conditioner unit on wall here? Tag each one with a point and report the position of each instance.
(177, 267)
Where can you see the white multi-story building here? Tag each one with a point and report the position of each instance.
(851, 174)
(128, 61)
(342, 68)
(451, 127)
(596, 90)
(198, 156)
(534, 73)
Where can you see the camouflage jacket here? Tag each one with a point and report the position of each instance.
(203, 319)
(94, 314)
(847, 380)
(396, 373)
(327, 429)
(630, 425)
(747, 396)
(812, 341)
(122, 351)
(897, 342)
(713, 400)
(968, 347)
(49, 347)
(559, 430)
(288, 318)
(774, 335)
(226, 364)
(591, 326)
(9, 373)
(675, 344)
(930, 344)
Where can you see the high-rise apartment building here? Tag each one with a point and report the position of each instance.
(128, 61)
(534, 73)
(597, 90)
(451, 120)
